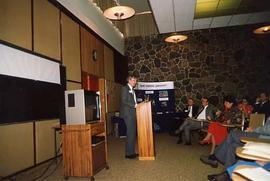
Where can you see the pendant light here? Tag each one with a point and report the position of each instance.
(119, 12)
(262, 30)
(175, 38)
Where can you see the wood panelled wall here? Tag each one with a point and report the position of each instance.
(108, 64)
(46, 29)
(71, 48)
(15, 22)
(89, 44)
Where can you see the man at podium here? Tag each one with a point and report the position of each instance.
(128, 113)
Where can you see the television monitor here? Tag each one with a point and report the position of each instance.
(92, 106)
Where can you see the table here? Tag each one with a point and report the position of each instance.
(239, 152)
(260, 140)
(231, 125)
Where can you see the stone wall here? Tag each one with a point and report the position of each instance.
(214, 63)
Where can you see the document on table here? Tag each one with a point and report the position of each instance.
(256, 173)
(257, 149)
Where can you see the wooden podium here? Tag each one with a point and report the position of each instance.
(145, 131)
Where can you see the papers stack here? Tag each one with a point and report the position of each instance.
(257, 149)
(256, 173)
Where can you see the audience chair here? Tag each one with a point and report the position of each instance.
(256, 120)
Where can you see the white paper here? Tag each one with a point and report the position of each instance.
(257, 173)
(260, 147)
(256, 153)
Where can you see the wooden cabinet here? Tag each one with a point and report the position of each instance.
(82, 156)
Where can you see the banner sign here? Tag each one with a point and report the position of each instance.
(155, 85)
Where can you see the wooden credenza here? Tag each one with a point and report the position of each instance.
(81, 156)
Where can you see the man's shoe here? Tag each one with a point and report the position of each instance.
(133, 156)
(188, 143)
(208, 161)
(219, 177)
(179, 140)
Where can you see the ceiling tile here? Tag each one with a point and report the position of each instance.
(163, 16)
(205, 14)
(259, 17)
(192, 14)
(220, 21)
(184, 14)
(205, 1)
(207, 6)
(224, 12)
(228, 4)
(138, 5)
(239, 19)
(202, 23)
(254, 6)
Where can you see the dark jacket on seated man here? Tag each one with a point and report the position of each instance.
(194, 111)
(262, 105)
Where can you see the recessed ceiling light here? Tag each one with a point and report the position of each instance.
(262, 30)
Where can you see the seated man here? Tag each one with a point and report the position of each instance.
(206, 112)
(225, 152)
(262, 105)
(190, 111)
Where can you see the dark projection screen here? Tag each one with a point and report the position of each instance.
(24, 99)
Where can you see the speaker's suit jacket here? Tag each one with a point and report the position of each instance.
(128, 113)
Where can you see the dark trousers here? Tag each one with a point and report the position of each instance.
(226, 151)
(131, 125)
(188, 126)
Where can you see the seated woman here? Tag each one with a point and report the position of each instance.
(217, 132)
(246, 109)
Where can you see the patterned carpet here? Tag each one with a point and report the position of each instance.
(173, 162)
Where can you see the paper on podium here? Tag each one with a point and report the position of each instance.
(257, 149)
(256, 173)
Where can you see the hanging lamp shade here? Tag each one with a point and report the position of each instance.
(119, 12)
(262, 30)
(175, 38)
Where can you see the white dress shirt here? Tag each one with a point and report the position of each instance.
(133, 92)
(202, 115)
(190, 111)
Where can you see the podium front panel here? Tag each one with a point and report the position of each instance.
(145, 131)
